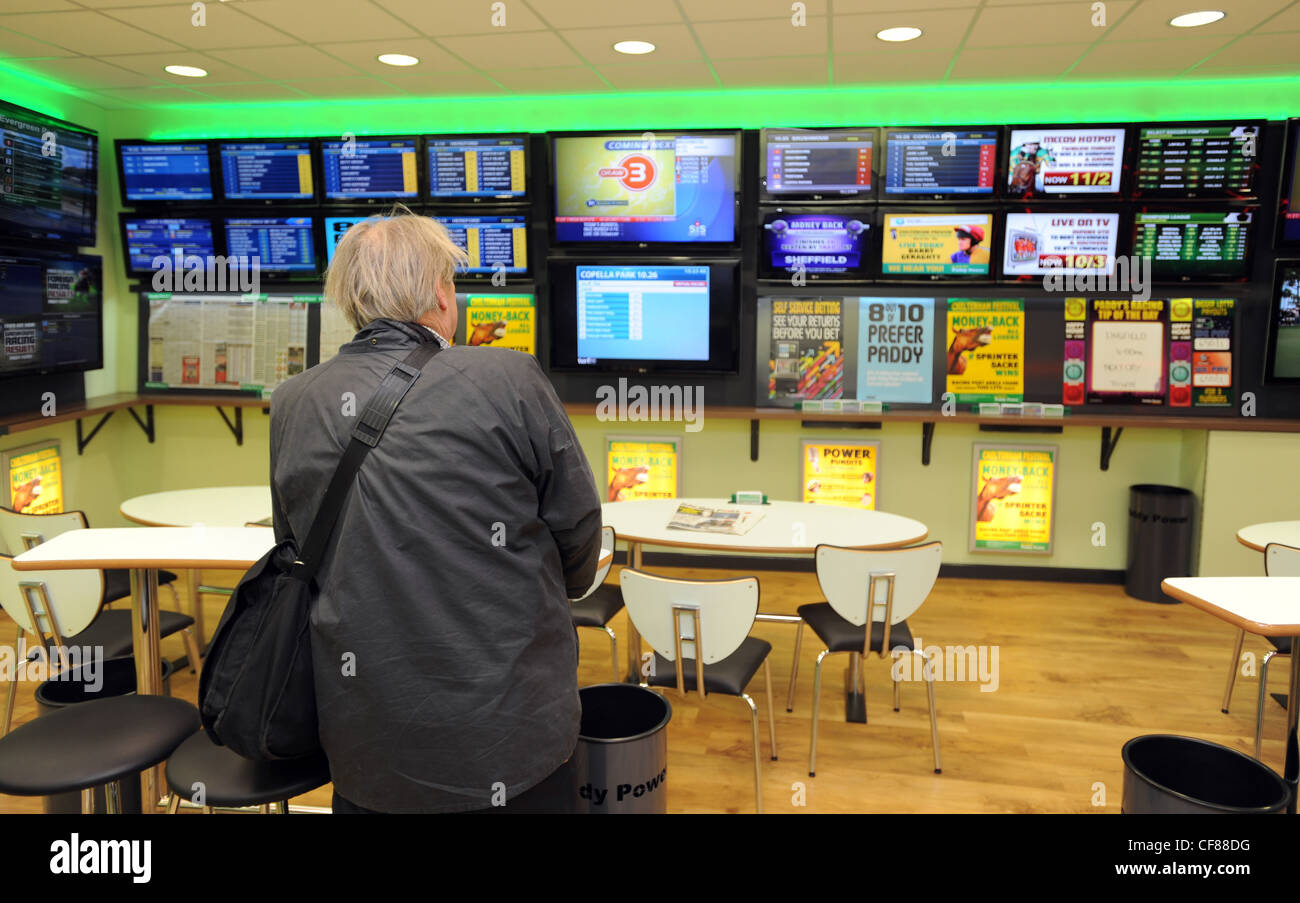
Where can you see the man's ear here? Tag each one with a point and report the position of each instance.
(446, 296)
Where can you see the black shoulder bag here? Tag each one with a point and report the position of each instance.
(257, 694)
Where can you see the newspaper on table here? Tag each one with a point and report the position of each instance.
(731, 521)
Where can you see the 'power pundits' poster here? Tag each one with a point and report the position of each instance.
(1014, 497)
(807, 349)
(986, 350)
(840, 473)
(642, 468)
(895, 342)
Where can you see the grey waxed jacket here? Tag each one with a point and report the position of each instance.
(443, 650)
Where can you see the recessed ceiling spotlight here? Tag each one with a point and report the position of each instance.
(634, 47)
(398, 59)
(1191, 20)
(904, 33)
(187, 71)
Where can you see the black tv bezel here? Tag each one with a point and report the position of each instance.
(768, 274)
(281, 275)
(994, 214)
(783, 198)
(218, 233)
(318, 164)
(427, 197)
(82, 239)
(163, 203)
(46, 256)
(1120, 192)
(999, 168)
(1274, 309)
(1118, 209)
(723, 324)
(660, 248)
(1210, 277)
(313, 151)
(526, 275)
(1290, 166)
(1162, 195)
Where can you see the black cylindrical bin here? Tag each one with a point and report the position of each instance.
(622, 755)
(1165, 775)
(84, 683)
(1160, 538)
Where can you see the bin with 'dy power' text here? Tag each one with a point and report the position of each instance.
(622, 756)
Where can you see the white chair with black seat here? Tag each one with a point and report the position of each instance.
(598, 605)
(1279, 561)
(713, 618)
(899, 581)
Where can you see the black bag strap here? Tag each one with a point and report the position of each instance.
(369, 430)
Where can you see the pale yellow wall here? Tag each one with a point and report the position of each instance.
(1250, 477)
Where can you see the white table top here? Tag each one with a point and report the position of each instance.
(1267, 606)
(786, 527)
(233, 548)
(1258, 536)
(214, 506)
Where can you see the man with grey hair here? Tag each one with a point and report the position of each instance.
(443, 650)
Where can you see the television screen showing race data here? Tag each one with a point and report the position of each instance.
(467, 167)
(369, 169)
(1284, 330)
(816, 244)
(494, 243)
(49, 177)
(936, 244)
(1190, 244)
(267, 171)
(819, 164)
(940, 163)
(642, 313)
(1065, 161)
(676, 188)
(166, 172)
(1066, 242)
(280, 244)
(1194, 160)
(147, 239)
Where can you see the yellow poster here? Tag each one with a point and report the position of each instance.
(1014, 496)
(35, 479)
(841, 473)
(642, 468)
(986, 350)
(502, 321)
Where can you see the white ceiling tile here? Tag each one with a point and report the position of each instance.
(89, 33)
(1287, 20)
(258, 92)
(446, 84)
(296, 61)
(767, 37)
(16, 46)
(586, 14)
(441, 19)
(940, 29)
(116, 4)
(344, 87)
(559, 80)
(84, 72)
(364, 55)
(849, 7)
(790, 71)
(1255, 53)
(152, 64)
(1150, 20)
(151, 97)
(744, 10)
(9, 7)
(1003, 26)
(226, 26)
(315, 21)
(883, 67)
(1047, 61)
(644, 76)
(523, 50)
(1165, 59)
(596, 45)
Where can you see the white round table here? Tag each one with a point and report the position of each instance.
(1258, 536)
(786, 528)
(212, 506)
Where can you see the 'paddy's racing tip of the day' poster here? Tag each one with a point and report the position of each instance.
(986, 350)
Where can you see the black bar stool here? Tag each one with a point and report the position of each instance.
(216, 776)
(99, 742)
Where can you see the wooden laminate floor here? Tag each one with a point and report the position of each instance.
(1081, 669)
